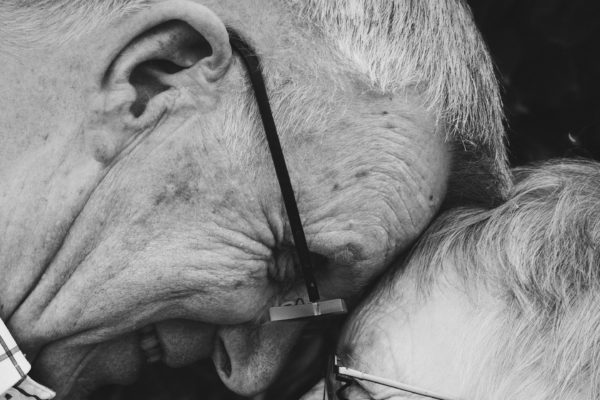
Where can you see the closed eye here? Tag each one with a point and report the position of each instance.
(285, 267)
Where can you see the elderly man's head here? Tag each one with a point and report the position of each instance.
(138, 193)
(494, 304)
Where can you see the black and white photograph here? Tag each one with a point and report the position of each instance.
(299, 199)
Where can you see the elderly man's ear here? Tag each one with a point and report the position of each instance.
(177, 45)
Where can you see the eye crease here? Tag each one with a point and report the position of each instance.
(285, 265)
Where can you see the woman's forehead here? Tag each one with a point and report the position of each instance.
(407, 330)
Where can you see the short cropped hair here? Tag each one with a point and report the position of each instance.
(431, 47)
(30, 23)
(434, 47)
(538, 256)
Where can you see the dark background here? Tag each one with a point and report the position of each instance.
(547, 58)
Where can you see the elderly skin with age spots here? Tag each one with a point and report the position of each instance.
(139, 198)
(492, 304)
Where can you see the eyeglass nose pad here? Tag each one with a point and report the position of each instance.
(324, 308)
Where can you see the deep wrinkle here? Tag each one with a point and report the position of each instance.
(134, 141)
(253, 66)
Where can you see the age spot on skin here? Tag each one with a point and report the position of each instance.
(238, 284)
(361, 174)
(160, 199)
(335, 187)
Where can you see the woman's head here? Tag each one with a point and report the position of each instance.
(493, 303)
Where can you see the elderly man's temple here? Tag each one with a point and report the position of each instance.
(187, 181)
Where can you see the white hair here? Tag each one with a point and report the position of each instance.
(434, 48)
(538, 255)
(33, 23)
(431, 47)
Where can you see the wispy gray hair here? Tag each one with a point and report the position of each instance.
(539, 256)
(434, 48)
(430, 47)
(32, 23)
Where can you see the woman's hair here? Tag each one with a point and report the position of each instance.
(538, 256)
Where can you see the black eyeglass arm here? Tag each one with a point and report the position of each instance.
(252, 63)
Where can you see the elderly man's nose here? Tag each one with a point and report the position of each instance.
(249, 357)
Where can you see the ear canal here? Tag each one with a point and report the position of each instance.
(183, 38)
(165, 51)
(172, 44)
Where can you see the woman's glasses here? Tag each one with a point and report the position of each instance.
(340, 378)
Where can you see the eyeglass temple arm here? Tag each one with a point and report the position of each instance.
(252, 63)
(388, 382)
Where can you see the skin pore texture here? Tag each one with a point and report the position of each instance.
(137, 191)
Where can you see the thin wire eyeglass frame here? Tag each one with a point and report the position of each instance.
(347, 375)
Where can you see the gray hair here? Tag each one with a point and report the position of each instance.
(434, 48)
(538, 255)
(34, 23)
(431, 47)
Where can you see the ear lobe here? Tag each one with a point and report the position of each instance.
(178, 42)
